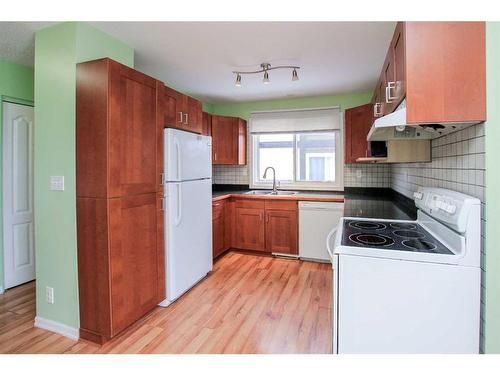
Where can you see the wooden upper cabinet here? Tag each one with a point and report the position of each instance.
(445, 72)
(172, 105)
(393, 72)
(228, 140)
(194, 116)
(282, 231)
(399, 52)
(181, 111)
(358, 121)
(116, 140)
(132, 127)
(206, 123)
(388, 82)
(440, 67)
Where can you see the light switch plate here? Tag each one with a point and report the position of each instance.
(57, 183)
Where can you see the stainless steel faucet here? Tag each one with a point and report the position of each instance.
(274, 178)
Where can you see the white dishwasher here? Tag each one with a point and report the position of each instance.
(316, 220)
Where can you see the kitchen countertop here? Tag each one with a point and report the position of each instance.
(301, 196)
(376, 203)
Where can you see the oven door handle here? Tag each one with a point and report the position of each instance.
(328, 241)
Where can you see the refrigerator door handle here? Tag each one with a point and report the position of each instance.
(178, 216)
(178, 151)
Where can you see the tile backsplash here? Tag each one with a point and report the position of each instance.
(230, 174)
(366, 175)
(458, 163)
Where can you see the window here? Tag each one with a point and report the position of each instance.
(303, 159)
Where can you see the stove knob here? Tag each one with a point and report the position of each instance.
(441, 205)
(417, 195)
(451, 209)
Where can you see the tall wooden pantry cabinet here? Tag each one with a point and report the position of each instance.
(119, 218)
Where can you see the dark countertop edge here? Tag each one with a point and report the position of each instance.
(404, 203)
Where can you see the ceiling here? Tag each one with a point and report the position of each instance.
(17, 41)
(198, 57)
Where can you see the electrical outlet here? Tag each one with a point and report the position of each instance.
(49, 295)
(57, 183)
(359, 174)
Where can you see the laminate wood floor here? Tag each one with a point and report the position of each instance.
(248, 304)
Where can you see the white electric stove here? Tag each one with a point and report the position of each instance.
(409, 286)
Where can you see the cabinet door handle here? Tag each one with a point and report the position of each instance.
(376, 109)
(180, 117)
(186, 118)
(388, 97)
(261, 216)
(267, 218)
(162, 204)
(215, 156)
(162, 179)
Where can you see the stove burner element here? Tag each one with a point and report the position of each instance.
(403, 226)
(371, 239)
(408, 234)
(367, 225)
(419, 244)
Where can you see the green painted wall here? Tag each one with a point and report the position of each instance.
(57, 51)
(244, 109)
(492, 129)
(16, 83)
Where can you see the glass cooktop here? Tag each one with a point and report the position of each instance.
(391, 236)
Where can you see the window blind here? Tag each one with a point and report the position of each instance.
(296, 121)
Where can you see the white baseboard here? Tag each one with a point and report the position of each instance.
(62, 329)
(2, 290)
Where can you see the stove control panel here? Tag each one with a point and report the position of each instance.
(448, 206)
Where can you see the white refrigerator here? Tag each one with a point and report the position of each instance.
(188, 211)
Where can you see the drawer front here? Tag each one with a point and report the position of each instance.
(281, 205)
(249, 203)
(217, 209)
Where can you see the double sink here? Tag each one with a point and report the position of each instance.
(270, 192)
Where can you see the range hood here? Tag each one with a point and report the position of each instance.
(393, 126)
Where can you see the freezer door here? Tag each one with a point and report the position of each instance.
(188, 235)
(188, 156)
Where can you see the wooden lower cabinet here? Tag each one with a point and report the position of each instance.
(250, 229)
(218, 228)
(119, 263)
(269, 226)
(282, 232)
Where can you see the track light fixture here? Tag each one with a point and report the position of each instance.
(265, 68)
(266, 78)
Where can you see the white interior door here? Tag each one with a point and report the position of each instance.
(19, 255)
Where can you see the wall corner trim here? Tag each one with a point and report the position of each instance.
(53, 326)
